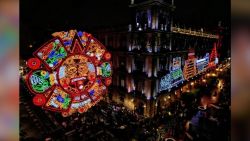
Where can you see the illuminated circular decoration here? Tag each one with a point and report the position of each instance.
(69, 73)
(77, 74)
(39, 100)
(33, 63)
(108, 81)
(39, 81)
(107, 56)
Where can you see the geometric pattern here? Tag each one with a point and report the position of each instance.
(69, 73)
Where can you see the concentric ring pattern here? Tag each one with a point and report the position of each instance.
(69, 73)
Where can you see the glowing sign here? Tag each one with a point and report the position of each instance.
(170, 80)
(189, 70)
(165, 82)
(70, 73)
(176, 63)
(202, 64)
(174, 77)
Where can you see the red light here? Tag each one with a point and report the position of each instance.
(39, 100)
(107, 56)
(108, 81)
(34, 63)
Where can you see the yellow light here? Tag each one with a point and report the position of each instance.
(181, 114)
(208, 74)
(213, 98)
(192, 83)
(169, 97)
(204, 80)
(169, 113)
(165, 99)
(213, 74)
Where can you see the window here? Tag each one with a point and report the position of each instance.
(122, 83)
(139, 62)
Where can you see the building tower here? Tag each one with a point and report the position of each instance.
(149, 35)
(146, 52)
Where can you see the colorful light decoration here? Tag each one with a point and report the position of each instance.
(189, 70)
(69, 73)
(213, 57)
(34, 63)
(176, 63)
(174, 77)
(202, 64)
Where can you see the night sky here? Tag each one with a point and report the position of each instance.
(40, 18)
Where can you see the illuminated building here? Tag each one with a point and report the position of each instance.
(149, 55)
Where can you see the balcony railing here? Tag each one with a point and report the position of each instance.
(194, 33)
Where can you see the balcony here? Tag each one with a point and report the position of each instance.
(194, 33)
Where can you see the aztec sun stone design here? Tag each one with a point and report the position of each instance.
(70, 73)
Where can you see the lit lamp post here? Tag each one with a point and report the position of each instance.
(155, 111)
(192, 85)
(145, 110)
(132, 102)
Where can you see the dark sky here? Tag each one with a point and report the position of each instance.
(202, 13)
(40, 18)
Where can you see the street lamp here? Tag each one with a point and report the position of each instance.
(192, 83)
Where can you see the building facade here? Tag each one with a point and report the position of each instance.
(151, 56)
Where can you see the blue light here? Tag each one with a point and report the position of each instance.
(60, 98)
(80, 33)
(92, 92)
